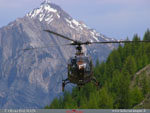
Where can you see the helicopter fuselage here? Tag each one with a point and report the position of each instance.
(80, 69)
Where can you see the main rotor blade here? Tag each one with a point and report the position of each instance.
(119, 42)
(59, 35)
(32, 48)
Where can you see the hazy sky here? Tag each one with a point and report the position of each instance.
(113, 18)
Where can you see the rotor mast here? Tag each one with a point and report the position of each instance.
(79, 48)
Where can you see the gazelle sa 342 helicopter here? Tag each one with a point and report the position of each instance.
(80, 67)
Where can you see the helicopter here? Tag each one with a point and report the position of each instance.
(80, 66)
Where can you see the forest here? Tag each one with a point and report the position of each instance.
(120, 85)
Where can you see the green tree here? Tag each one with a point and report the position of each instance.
(127, 49)
(124, 91)
(145, 85)
(55, 104)
(105, 101)
(148, 51)
(135, 46)
(83, 103)
(130, 66)
(136, 96)
(115, 82)
(69, 103)
(147, 35)
(92, 103)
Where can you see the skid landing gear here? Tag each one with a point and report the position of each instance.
(79, 87)
(64, 83)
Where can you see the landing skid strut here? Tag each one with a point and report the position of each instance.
(64, 83)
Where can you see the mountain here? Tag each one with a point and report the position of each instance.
(31, 79)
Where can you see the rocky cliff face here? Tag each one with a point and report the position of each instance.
(31, 79)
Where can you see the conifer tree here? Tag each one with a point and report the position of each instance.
(105, 101)
(124, 91)
(147, 35)
(136, 96)
(54, 104)
(83, 103)
(92, 103)
(135, 46)
(130, 66)
(69, 103)
(145, 85)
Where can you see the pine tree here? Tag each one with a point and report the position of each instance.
(145, 85)
(127, 49)
(69, 103)
(135, 46)
(148, 52)
(92, 103)
(83, 103)
(115, 82)
(130, 66)
(105, 101)
(54, 104)
(110, 67)
(136, 96)
(147, 35)
(124, 91)
(121, 53)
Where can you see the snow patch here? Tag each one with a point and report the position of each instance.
(70, 23)
(96, 38)
(105, 38)
(85, 26)
(75, 22)
(49, 9)
(41, 17)
(58, 15)
(94, 35)
(91, 40)
(49, 19)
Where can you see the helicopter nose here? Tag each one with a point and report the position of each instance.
(82, 66)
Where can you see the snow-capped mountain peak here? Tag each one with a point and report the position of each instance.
(46, 12)
(52, 14)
